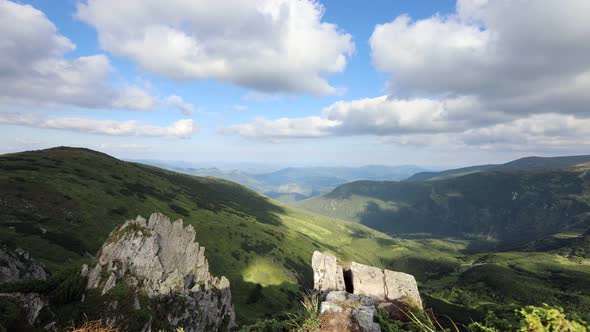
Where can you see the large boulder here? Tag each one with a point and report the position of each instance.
(160, 260)
(327, 273)
(384, 285)
(368, 280)
(401, 285)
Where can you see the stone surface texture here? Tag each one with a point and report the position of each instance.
(161, 259)
(17, 265)
(327, 272)
(371, 286)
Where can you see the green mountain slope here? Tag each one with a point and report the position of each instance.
(504, 209)
(60, 204)
(527, 163)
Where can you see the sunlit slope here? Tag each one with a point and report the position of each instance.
(508, 208)
(60, 204)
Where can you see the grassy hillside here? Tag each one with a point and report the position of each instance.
(502, 209)
(527, 163)
(60, 204)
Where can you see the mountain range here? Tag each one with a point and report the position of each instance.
(293, 184)
(494, 240)
(527, 163)
(501, 208)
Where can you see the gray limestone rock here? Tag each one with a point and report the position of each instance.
(383, 285)
(357, 308)
(327, 272)
(399, 284)
(368, 280)
(161, 259)
(371, 285)
(17, 265)
(364, 316)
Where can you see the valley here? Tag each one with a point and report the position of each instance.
(487, 241)
(293, 184)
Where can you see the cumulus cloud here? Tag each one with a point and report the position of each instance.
(180, 129)
(374, 116)
(34, 69)
(266, 45)
(515, 56)
(493, 74)
(284, 128)
(184, 107)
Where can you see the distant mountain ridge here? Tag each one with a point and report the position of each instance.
(526, 163)
(504, 209)
(297, 183)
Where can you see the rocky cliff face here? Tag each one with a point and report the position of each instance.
(16, 265)
(158, 260)
(367, 287)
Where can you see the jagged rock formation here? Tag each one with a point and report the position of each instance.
(368, 286)
(160, 260)
(17, 265)
(327, 273)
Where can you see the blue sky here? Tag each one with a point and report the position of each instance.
(336, 82)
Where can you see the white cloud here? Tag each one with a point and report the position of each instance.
(285, 128)
(495, 74)
(547, 131)
(375, 116)
(449, 123)
(180, 129)
(265, 45)
(133, 97)
(34, 70)
(184, 107)
(514, 56)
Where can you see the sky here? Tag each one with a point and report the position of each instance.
(298, 82)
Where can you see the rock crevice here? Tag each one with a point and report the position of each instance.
(362, 287)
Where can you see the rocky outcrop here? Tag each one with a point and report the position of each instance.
(360, 309)
(383, 285)
(327, 273)
(376, 283)
(368, 280)
(368, 287)
(17, 265)
(160, 260)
